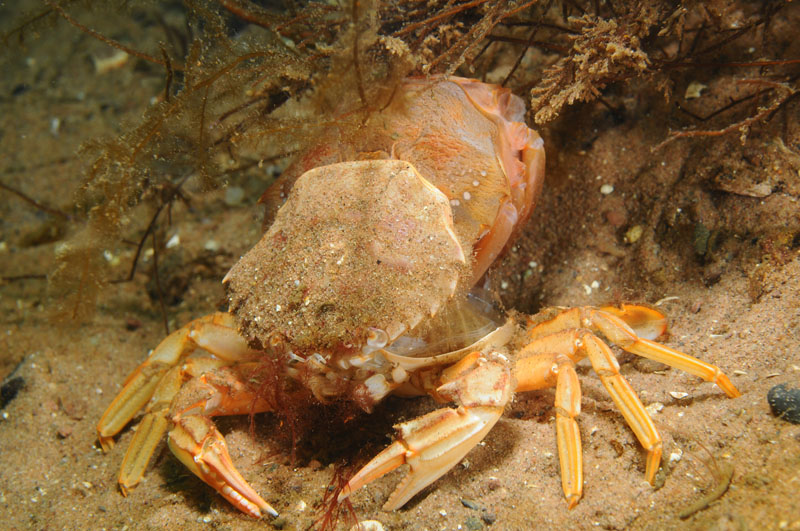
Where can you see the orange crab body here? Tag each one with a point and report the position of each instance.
(353, 290)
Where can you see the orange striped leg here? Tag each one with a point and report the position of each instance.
(576, 345)
(568, 435)
(540, 370)
(158, 380)
(215, 333)
(605, 365)
(633, 328)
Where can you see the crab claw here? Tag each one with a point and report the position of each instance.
(431, 445)
(200, 446)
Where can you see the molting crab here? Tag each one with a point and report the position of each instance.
(364, 286)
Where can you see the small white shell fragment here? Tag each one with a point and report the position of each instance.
(108, 255)
(173, 242)
(500, 356)
(606, 189)
(301, 506)
(739, 372)
(654, 407)
(368, 525)
(106, 64)
(680, 395)
(675, 456)
(211, 245)
(694, 90)
(662, 300)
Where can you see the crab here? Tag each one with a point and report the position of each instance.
(364, 286)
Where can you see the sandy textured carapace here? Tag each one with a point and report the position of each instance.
(358, 245)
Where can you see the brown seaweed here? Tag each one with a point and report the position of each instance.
(244, 83)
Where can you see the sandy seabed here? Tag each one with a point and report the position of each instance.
(738, 309)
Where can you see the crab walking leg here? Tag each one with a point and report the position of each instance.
(674, 358)
(606, 366)
(541, 370)
(618, 332)
(432, 444)
(215, 333)
(568, 435)
(150, 431)
(621, 326)
(158, 380)
(195, 440)
(577, 344)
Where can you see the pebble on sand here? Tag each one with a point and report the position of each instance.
(785, 402)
